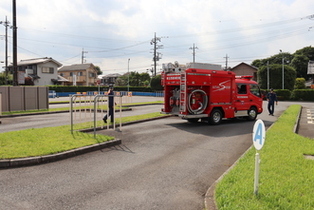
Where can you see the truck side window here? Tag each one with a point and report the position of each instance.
(241, 89)
(255, 90)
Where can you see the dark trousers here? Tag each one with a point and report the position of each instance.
(271, 107)
(111, 114)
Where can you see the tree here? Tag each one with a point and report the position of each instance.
(275, 76)
(307, 51)
(299, 83)
(135, 78)
(300, 63)
(155, 83)
(145, 79)
(120, 82)
(3, 79)
(298, 60)
(97, 68)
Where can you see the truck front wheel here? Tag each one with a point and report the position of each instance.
(252, 114)
(215, 117)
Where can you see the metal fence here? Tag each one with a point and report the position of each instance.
(84, 106)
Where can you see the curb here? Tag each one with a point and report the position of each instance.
(30, 161)
(123, 124)
(53, 112)
(209, 200)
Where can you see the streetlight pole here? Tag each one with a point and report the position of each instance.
(128, 75)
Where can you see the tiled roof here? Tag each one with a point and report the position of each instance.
(244, 64)
(111, 75)
(37, 61)
(76, 67)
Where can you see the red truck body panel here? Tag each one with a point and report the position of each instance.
(195, 93)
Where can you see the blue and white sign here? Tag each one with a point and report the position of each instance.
(259, 134)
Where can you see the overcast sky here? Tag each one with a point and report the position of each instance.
(114, 31)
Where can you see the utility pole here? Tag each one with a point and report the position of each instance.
(193, 48)
(283, 70)
(83, 55)
(226, 68)
(267, 75)
(15, 75)
(128, 75)
(6, 24)
(157, 55)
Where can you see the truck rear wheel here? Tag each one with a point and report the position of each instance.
(252, 114)
(215, 117)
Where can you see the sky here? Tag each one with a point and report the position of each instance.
(116, 35)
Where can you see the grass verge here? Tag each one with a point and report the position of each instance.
(286, 177)
(50, 140)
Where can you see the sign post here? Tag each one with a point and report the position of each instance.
(258, 141)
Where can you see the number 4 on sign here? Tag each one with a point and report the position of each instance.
(259, 134)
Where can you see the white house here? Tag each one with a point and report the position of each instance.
(38, 71)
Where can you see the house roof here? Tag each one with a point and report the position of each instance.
(76, 67)
(109, 75)
(244, 64)
(38, 61)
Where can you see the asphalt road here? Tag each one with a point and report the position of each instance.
(161, 164)
(51, 120)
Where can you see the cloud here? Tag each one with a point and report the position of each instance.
(112, 31)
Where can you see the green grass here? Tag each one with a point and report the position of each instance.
(44, 141)
(286, 177)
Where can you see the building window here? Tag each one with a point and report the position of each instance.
(91, 74)
(48, 70)
(80, 73)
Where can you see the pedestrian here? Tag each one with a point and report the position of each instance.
(271, 98)
(110, 105)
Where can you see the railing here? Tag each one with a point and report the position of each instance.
(81, 108)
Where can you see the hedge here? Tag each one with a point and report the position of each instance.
(303, 95)
(295, 95)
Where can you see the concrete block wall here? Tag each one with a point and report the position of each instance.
(22, 98)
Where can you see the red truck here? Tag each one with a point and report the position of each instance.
(204, 91)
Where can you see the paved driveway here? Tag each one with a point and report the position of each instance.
(162, 164)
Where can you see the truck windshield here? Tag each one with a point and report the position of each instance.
(255, 90)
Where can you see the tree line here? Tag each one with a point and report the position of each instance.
(295, 69)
